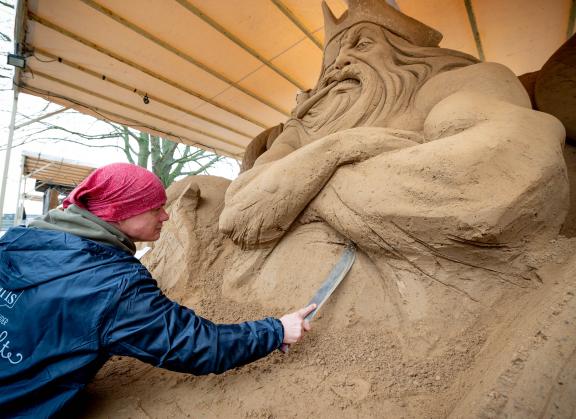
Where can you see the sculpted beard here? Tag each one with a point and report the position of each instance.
(357, 95)
(380, 95)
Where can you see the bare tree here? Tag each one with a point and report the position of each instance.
(167, 159)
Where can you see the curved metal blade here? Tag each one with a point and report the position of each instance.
(333, 279)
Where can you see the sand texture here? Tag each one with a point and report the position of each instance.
(513, 357)
(456, 193)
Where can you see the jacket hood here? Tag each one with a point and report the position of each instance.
(41, 252)
(75, 220)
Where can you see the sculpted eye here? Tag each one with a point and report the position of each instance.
(363, 44)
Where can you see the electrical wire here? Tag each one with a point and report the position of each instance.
(44, 61)
(49, 94)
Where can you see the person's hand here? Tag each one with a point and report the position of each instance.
(295, 325)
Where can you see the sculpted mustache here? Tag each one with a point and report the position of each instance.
(328, 82)
(352, 71)
(305, 106)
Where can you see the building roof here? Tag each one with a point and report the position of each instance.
(54, 171)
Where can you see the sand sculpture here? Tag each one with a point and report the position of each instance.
(453, 190)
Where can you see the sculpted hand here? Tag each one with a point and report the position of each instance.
(358, 144)
(295, 325)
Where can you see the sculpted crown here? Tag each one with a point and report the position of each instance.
(380, 13)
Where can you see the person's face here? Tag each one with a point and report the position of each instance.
(144, 227)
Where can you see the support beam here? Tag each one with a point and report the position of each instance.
(17, 214)
(186, 4)
(50, 200)
(123, 120)
(132, 90)
(142, 69)
(288, 13)
(40, 169)
(91, 93)
(474, 27)
(8, 150)
(184, 56)
(19, 38)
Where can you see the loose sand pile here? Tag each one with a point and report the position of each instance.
(512, 357)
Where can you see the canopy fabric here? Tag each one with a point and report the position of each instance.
(216, 73)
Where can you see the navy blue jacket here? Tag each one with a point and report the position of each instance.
(68, 303)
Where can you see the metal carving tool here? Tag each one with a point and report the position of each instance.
(334, 278)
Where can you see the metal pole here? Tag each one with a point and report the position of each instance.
(8, 151)
(19, 38)
(18, 212)
(40, 118)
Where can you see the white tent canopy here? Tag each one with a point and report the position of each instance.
(215, 73)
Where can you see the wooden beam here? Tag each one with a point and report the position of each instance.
(133, 90)
(121, 119)
(133, 108)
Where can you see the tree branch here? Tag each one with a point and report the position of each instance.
(51, 127)
(197, 155)
(68, 140)
(201, 169)
(127, 148)
(25, 141)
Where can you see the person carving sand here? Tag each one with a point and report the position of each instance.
(82, 297)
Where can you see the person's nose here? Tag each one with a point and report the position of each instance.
(164, 215)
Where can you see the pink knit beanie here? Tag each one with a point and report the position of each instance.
(118, 191)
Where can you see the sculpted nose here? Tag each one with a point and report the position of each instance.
(342, 61)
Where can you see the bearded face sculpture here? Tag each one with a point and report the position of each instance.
(372, 81)
(352, 94)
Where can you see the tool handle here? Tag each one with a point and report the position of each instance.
(285, 348)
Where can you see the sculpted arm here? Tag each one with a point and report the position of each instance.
(262, 203)
(491, 167)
